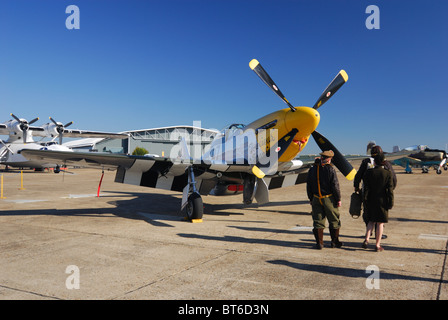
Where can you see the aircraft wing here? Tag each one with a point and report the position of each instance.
(290, 173)
(163, 173)
(173, 175)
(82, 159)
(75, 133)
(398, 155)
(403, 161)
(156, 172)
(36, 129)
(388, 155)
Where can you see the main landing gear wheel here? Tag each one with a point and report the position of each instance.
(195, 207)
(192, 199)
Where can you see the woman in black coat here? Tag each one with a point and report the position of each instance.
(378, 197)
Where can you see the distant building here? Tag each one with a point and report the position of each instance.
(83, 145)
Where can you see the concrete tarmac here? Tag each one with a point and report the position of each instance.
(60, 241)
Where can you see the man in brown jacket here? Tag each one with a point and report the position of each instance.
(325, 197)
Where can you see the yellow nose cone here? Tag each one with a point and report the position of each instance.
(304, 119)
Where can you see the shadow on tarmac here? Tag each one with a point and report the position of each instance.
(159, 209)
(141, 206)
(300, 243)
(350, 272)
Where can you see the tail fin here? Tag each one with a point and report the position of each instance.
(396, 149)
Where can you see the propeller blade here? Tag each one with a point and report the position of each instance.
(339, 160)
(12, 115)
(34, 120)
(52, 120)
(332, 88)
(259, 70)
(60, 128)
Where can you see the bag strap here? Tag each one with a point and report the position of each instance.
(318, 186)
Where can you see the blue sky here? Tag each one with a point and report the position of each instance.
(140, 64)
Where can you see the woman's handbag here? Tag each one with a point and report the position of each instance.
(355, 205)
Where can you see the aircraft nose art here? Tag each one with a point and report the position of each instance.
(304, 119)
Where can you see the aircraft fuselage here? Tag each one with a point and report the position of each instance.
(11, 157)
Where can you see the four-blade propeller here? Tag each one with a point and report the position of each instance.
(324, 144)
(24, 125)
(60, 128)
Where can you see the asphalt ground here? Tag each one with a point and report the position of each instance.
(60, 241)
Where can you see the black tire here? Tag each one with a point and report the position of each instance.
(195, 207)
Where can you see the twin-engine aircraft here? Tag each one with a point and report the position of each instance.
(255, 158)
(21, 133)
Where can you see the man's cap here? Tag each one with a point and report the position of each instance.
(327, 153)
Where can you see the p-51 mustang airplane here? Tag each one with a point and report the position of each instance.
(256, 157)
(21, 135)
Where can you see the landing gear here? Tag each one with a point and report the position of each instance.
(195, 207)
(192, 200)
(250, 185)
(408, 168)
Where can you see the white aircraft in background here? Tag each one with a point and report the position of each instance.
(21, 135)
